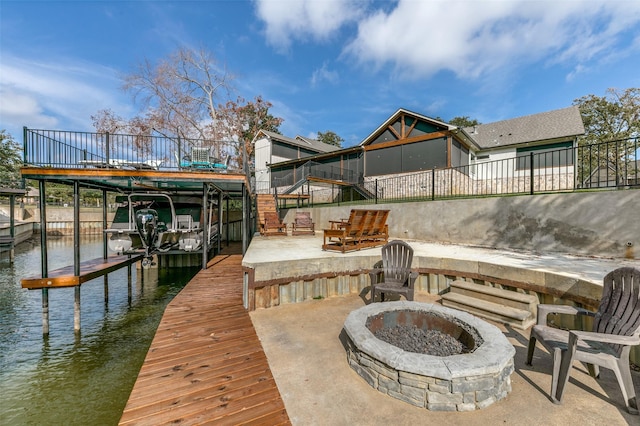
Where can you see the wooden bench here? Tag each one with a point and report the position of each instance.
(363, 229)
(505, 306)
(303, 225)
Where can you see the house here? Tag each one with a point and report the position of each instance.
(409, 143)
(613, 173)
(270, 148)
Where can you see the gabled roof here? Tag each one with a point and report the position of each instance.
(300, 141)
(545, 126)
(394, 117)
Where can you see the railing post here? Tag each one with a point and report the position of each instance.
(106, 156)
(531, 191)
(376, 196)
(433, 184)
(24, 144)
(179, 151)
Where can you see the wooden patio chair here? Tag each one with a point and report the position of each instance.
(347, 236)
(303, 225)
(379, 229)
(395, 272)
(616, 328)
(273, 225)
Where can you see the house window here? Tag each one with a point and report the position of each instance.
(284, 151)
(552, 155)
(459, 154)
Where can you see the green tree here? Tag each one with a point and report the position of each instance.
(241, 120)
(10, 161)
(614, 116)
(611, 122)
(330, 138)
(464, 121)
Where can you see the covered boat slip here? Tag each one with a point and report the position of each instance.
(206, 189)
(214, 190)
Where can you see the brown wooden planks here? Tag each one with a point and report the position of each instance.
(90, 269)
(206, 364)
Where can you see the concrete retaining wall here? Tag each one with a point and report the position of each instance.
(601, 224)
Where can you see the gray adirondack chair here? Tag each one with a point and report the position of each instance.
(395, 272)
(616, 328)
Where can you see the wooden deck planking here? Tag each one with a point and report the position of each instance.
(89, 269)
(206, 364)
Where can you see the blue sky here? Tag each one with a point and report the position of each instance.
(339, 65)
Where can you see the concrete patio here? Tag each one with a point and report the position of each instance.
(309, 362)
(318, 387)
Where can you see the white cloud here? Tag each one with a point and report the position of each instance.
(324, 74)
(60, 94)
(302, 19)
(471, 39)
(16, 108)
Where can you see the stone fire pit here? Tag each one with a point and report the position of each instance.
(463, 382)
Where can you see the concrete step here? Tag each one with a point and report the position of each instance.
(513, 299)
(518, 318)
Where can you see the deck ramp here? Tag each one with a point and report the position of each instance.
(206, 364)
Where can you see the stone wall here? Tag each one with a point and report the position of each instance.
(458, 182)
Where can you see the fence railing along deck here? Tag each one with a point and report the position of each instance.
(56, 148)
(607, 165)
(612, 164)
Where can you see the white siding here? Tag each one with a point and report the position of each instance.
(263, 157)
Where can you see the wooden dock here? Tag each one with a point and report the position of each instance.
(90, 269)
(206, 364)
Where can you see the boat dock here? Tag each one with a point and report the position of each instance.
(206, 364)
(66, 277)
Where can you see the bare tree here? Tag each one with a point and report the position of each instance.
(186, 97)
(179, 94)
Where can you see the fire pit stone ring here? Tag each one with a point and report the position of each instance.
(462, 382)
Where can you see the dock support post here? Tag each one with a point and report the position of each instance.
(246, 214)
(228, 229)
(76, 228)
(44, 270)
(12, 231)
(104, 245)
(45, 311)
(76, 310)
(206, 226)
(105, 251)
(76, 253)
(106, 289)
(129, 290)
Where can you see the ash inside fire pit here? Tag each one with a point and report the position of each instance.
(424, 333)
(429, 342)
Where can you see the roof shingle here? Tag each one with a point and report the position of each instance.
(560, 123)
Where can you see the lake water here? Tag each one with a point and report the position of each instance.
(69, 378)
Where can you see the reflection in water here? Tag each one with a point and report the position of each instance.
(76, 378)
